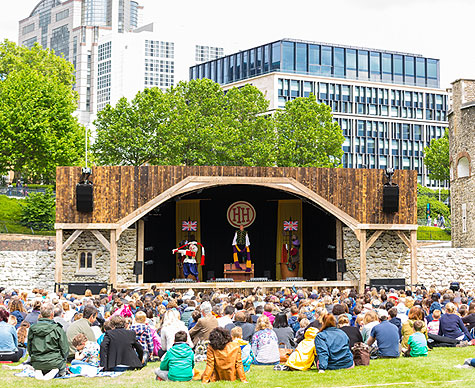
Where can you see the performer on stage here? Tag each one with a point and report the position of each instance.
(189, 250)
(241, 245)
(294, 256)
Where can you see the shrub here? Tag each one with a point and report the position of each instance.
(38, 211)
(436, 207)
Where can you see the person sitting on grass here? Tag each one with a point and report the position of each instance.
(264, 344)
(87, 352)
(246, 352)
(433, 326)
(303, 356)
(417, 343)
(223, 358)
(178, 362)
(332, 346)
(387, 336)
(9, 350)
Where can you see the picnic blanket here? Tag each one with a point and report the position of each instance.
(74, 371)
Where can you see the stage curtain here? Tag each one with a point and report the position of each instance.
(189, 208)
(288, 208)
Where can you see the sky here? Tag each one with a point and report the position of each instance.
(440, 29)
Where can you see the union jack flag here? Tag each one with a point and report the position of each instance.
(291, 225)
(189, 226)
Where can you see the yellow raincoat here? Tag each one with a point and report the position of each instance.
(303, 356)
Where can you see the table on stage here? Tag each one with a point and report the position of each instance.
(238, 275)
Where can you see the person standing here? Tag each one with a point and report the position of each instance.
(241, 250)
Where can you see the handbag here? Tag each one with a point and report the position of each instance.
(361, 354)
(284, 353)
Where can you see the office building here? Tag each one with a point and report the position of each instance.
(388, 104)
(72, 28)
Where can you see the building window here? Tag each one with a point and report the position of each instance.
(463, 167)
(86, 263)
(62, 15)
(29, 28)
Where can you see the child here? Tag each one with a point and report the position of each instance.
(178, 362)
(246, 351)
(304, 355)
(395, 320)
(417, 342)
(433, 326)
(87, 352)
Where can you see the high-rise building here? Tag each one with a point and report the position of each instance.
(388, 104)
(113, 53)
(72, 28)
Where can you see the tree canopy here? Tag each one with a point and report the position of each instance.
(437, 159)
(37, 129)
(197, 123)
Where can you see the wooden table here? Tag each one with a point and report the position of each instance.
(238, 275)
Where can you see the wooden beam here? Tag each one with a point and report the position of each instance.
(362, 260)
(74, 226)
(339, 245)
(141, 245)
(113, 258)
(413, 259)
(102, 239)
(388, 226)
(404, 238)
(373, 239)
(58, 269)
(70, 240)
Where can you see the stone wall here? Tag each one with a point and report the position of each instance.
(462, 144)
(388, 257)
(87, 242)
(440, 266)
(27, 262)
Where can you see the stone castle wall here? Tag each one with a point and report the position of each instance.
(388, 257)
(462, 144)
(87, 242)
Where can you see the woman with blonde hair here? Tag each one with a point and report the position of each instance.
(68, 312)
(370, 320)
(264, 343)
(171, 325)
(451, 325)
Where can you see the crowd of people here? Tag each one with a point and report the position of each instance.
(291, 329)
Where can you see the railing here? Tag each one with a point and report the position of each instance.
(21, 192)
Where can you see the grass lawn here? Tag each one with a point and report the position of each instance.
(436, 370)
(10, 216)
(432, 233)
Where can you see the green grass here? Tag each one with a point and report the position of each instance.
(432, 233)
(10, 216)
(436, 370)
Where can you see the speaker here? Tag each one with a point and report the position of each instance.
(138, 267)
(390, 198)
(84, 197)
(80, 288)
(341, 265)
(396, 283)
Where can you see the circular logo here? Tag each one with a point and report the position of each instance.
(241, 213)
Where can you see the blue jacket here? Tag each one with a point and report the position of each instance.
(333, 349)
(451, 325)
(8, 338)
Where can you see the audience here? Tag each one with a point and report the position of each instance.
(264, 344)
(9, 350)
(178, 363)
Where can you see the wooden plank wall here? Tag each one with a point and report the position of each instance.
(119, 190)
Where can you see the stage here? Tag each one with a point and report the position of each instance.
(243, 286)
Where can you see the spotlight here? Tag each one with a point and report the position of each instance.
(332, 247)
(149, 262)
(331, 260)
(148, 249)
(389, 174)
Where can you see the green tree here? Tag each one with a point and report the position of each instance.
(39, 211)
(436, 158)
(37, 129)
(194, 123)
(307, 136)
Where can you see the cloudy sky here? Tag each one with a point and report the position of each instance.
(441, 29)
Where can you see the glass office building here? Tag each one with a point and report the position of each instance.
(388, 104)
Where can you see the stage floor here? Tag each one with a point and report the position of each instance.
(243, 285)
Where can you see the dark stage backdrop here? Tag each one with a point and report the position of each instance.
(217, 234)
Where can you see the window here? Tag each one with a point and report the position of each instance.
(397, 63)
(62, 15)
(339, 62)
(301, 63)
(351, 63)
(375, 65)
(362, 64)
(313, 59)
(86, 263)
(463, 167)
(29, 28)
(326, 60)
(288, 57)
(275, 56)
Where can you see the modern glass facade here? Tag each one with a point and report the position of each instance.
(97, 13)
(322, 59)
(387, 104)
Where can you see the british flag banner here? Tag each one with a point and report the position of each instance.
(291, 225)
(189, 226)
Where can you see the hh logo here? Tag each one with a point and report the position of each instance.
(241, 213)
